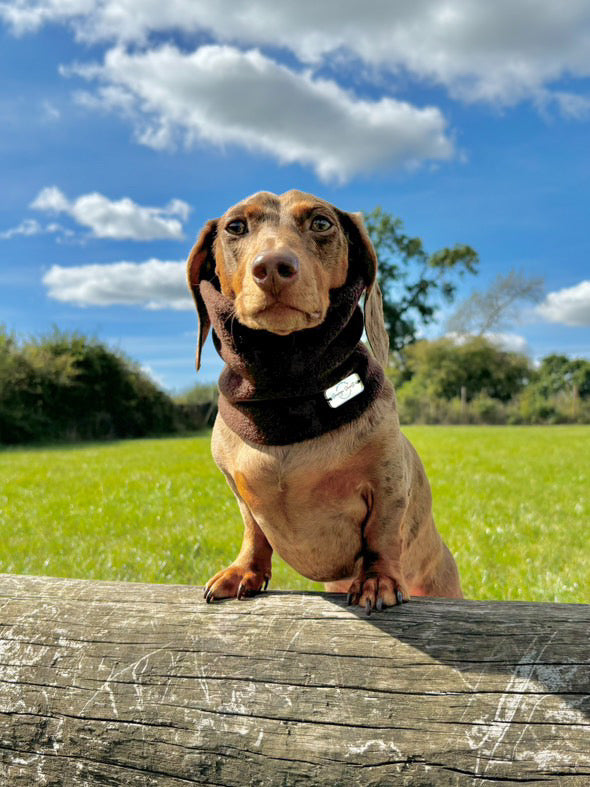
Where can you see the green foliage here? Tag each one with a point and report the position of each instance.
(474, 382)
(560, 374)
(201, 393)
(66, 386)
(441, 368)
(413, 281)
(510, 503)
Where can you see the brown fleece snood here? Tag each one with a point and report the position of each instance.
(273, 388)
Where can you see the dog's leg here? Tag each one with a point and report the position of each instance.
(430, 569)
(381, 582)
(442, 580)
(250, 570)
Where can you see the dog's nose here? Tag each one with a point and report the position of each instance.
(273, 270)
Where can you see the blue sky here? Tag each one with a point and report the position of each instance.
(124, 126)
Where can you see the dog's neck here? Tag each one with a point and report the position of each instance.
(278, 390)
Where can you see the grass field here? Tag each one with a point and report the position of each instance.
(512, 503)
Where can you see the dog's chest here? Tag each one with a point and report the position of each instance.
(310, 509)
(289, 481)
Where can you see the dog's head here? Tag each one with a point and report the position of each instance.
(278, 257)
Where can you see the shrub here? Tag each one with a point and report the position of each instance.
(66, 386)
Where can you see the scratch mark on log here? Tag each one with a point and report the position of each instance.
(509, 704)
(115, 675)
(377, 745)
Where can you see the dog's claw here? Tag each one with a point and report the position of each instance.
(379, 605)
(399, 596)
(368, 607)
(237, 581)
(349, 599)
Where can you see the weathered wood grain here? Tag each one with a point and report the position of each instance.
(125, 684)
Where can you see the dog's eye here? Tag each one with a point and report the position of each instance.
(237, 227)
(320, 224)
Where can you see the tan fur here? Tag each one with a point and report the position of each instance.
(276, 225)
(353, 507)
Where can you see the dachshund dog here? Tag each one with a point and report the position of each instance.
(308, 434)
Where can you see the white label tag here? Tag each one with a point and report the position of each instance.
(345, 390)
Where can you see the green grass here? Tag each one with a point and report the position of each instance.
(512, 504)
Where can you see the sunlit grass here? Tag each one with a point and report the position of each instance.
(512, 503)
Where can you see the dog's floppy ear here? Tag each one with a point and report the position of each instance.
(362, 257)
(201, 265)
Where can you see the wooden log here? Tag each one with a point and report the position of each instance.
(145, 685)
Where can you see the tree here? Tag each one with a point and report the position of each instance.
(560, 374)
(497, 306)
(441, 368)
(413, 281)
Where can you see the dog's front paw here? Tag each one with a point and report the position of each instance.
(376, 592)
(236, 582)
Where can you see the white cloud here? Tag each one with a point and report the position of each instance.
(569, 104)
(570, 306)
(154, 284)
(224, 96)
(122, 219)
(27, 16)
(511, 342)
(51, 199)
(498, 51)
(29, 227)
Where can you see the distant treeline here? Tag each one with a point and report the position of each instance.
(446, 381)
(70, 387)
